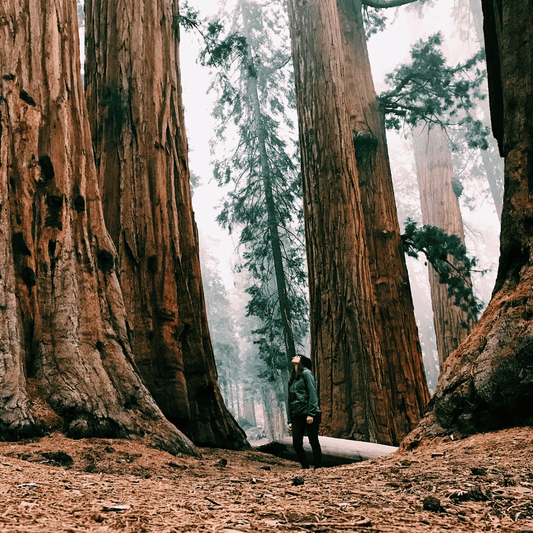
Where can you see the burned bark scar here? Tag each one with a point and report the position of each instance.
(55, 206)
(364, 144)
(27, 98)
(28, 276)
(106, 261)
(79, 204)
(19, 244)
(47, 168)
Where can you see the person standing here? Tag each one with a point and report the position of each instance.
(304, 411)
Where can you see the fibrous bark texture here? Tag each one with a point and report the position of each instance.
(134, 97)
(488, 381)
(440, 208)
(344, 341)
(404, 375)
(62, 312)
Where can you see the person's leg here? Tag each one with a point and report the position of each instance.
(312, 434)
(298, 429)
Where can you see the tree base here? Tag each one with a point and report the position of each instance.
(33, 417)
(487, 383)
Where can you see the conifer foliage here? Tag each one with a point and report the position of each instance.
(437, 246)
(256, 158)
(429, 90)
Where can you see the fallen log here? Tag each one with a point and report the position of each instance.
(334, 451)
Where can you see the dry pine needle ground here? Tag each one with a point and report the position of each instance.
(483, 483)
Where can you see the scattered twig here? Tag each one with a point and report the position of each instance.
(339, 525)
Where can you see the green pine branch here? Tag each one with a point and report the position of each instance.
(429, 90)
(437, 247)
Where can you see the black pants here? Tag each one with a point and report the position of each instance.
(299, 425)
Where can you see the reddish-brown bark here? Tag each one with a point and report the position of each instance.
(404, 374)
(344, 339)
(135, 104)
(63, 320)
(486, 382)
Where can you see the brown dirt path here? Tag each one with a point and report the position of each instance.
(483, 483)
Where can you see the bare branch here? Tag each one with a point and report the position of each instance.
(382, 4)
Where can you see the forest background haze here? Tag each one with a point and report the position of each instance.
(389, 48)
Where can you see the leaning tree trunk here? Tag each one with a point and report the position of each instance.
(135, 104)
(344, 342)
(63, 317)
(486, 383)
(488, 165)
(440, 208)
(402, 355)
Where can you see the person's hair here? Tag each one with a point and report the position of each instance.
(304, 363)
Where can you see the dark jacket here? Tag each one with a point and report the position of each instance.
(303, 399)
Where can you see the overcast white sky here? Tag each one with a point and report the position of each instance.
(199, 124)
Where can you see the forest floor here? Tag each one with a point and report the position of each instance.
(482, 483)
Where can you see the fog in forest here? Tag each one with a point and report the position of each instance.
(230, 185)
(238, 277)
(252, 391)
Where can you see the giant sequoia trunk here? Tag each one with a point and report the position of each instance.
(487, 382)
(135, 104)
(63, 323)
(355, 400)
(402, 355)
(440, 208)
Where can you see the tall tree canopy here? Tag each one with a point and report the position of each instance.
(255, 102)
(429, 90)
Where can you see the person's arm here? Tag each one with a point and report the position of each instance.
(289, 418)
(312, 403)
